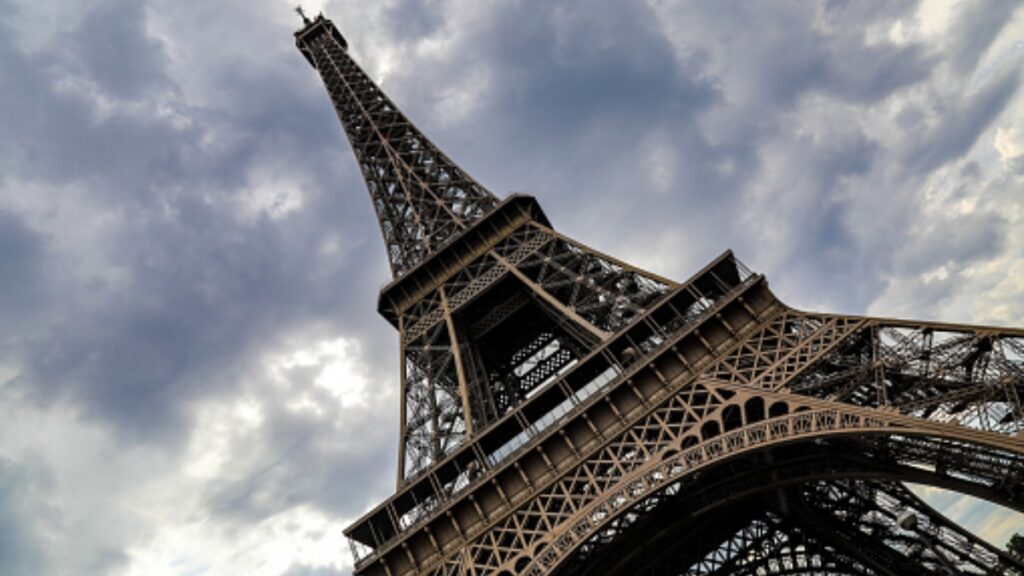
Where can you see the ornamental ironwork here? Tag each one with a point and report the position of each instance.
(565, 412)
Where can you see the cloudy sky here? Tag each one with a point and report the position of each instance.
(193, 380)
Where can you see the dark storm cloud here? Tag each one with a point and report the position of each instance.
(979, 24)
(555, 71)
(21, 546)
(21, 253)
(202, 294)
(807, 193)
(351, 476)
(207, 278)
(104, 37)
(822, 244)
(787, 50)
(974, 237)
(581, 91)
(29, 522)
(566, 66)
(203, 289)
(24, 87)
(410, 20)
(870, 73)
(961, 123)
(55, 132)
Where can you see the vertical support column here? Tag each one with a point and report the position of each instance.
(453, 341)
(403, 429)
(879, 366)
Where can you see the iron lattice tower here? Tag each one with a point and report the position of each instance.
(564, 412)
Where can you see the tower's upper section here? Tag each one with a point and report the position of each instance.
(423, 200)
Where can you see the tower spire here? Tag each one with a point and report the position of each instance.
(421, 197)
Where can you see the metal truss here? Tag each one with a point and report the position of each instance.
(968, 375)
(770, 545)
(766, 546)
(422, 198)
(743, 540)
(506, 323)
(894, 531)
(844, 526)
(564, 412)
(606, 294)
(733, 406)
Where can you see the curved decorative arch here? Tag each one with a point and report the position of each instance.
(757, 481)
(803, 420)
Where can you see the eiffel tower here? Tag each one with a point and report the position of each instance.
(565, 412)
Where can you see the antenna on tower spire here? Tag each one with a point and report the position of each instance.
(301, 12)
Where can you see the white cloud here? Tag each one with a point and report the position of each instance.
(269, 196)
(297, 536)
(89, 506)
(151, 509)
(334, 368)
(1009, 142)
(934, 16)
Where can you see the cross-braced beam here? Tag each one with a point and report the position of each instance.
(973, 376)
(887, 527)
(769, 545)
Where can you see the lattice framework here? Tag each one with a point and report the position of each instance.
(554, 398)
